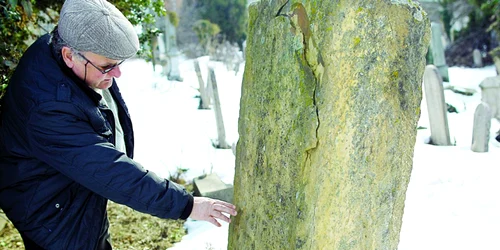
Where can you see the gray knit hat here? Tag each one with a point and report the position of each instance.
(99, 27)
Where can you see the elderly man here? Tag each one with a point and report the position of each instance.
(66, 139)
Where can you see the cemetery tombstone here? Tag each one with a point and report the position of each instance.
(169, 53)
(204, 94)
(481, 128)
(490, 94)
(327, 125)
(477, 58)
(436, 107)
(437, 50)
(221, 131)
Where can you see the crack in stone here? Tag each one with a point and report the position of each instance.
(312, 56)
(314, 63)
(281, 9)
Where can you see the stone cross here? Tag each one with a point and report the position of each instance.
(436, 107)
(490, 94)
(478, 58)
(481, 129)
(438, 51)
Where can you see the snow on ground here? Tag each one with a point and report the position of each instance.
(452, 199)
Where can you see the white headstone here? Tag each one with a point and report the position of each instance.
(438, 51)
(436, 106)
(478, 58)
(204, 96)
(168, 48)
(481, 129)
(490, 94)
(221, 131)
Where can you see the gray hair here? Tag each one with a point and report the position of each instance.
(58, 43)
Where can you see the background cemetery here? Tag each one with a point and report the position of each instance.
(176, 42)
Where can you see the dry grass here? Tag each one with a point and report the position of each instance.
(9, 237)
(133, 230)
(129, 229)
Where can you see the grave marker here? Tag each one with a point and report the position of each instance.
(329, 108)
(481, 129)
(490, 94)
(204, 95)
(478, 58)
(221, 131)
(438, 51)
(436, 107)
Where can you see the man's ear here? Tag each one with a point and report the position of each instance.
(68, 57)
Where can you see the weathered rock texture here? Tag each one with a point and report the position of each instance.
(329, 110)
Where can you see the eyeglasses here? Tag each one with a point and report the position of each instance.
(106, 70)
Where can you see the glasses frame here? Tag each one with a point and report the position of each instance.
(103, 71)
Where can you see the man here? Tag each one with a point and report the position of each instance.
(66, 139)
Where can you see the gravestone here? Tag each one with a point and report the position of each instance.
(168, 47)
(478, 58)
(221, 131)
(490, 94)
(329, 108)
(481, 129)
(437, 49)
(204, 95)
(213, 187)
(436, 107)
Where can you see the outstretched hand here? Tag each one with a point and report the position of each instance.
(209, 210)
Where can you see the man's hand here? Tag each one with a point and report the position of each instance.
(209, 210)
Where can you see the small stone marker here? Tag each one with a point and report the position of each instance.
(212, 186)
(478, 58)
(438, 119)
(481, 129)
(490, 94)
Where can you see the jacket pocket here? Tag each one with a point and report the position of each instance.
(55, 211)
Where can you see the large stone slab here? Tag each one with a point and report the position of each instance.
(328, 115)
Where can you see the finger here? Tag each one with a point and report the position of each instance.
(213, 221)
(226, 204)
(221, 216)
(225, 209)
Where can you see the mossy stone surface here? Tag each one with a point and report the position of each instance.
(328, 116)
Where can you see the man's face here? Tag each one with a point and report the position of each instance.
(100, 70)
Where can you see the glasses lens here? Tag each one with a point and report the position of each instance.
(105, 70)
(108, 69)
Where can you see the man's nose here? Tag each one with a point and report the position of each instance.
(116, 72)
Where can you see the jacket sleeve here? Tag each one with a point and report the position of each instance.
(61, 135)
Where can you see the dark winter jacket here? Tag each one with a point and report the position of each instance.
(58, 163)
